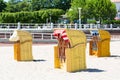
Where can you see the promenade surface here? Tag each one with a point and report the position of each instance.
(105, 68)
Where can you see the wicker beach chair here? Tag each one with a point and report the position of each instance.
(22, 45)
(69, 54)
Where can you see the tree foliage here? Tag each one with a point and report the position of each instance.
(28, 17)
(73, 12)
(93, 9)
(2, 5)
(90, 9)
(48, 4)
(17, 6)
(102, 9)
(62, 4)
(35, 5)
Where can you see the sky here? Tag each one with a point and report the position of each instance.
(6, 0)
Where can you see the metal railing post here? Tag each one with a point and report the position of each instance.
(51, 25)
(42, 35)
(18, 27)
(51, 36)
(111, 26)
(76, 26)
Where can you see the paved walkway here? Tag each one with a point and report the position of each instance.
(106, 68)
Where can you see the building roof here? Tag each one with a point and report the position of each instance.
(115, 0)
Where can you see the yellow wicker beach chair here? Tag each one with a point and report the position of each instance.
(69, 54)
(22, 45)
(100, 46)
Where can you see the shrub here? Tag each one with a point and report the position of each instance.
(31, 17)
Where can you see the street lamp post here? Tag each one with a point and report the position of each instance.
(50, 17)
(79, 17)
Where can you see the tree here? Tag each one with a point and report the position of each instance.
(37, 5)
(73, 12)
(31, 17)
(61, 4)
(48, 4)
(103, 10)
(17, 6)
(93, 9)
(2, 5)
(23, 6)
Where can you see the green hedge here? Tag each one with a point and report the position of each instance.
(34, 17)
(91, 21)
(111, 22)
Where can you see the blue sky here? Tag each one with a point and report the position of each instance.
(6, 0)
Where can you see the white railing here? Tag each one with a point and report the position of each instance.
(6, 29)
(45, 36)
(36, 26)
(115, 37)
(36, 36)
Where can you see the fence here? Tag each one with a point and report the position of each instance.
(44, 37)
(37, 37)
(115, 37)
(40, 32)
(36, 26)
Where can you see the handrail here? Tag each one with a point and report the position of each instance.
(37, 26)
(45, 36)
(36, 36)
(38, 30)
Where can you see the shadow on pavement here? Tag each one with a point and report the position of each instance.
(39, 60)
(115, 56)
(90, 70)
(93, 70)
(118, 56)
